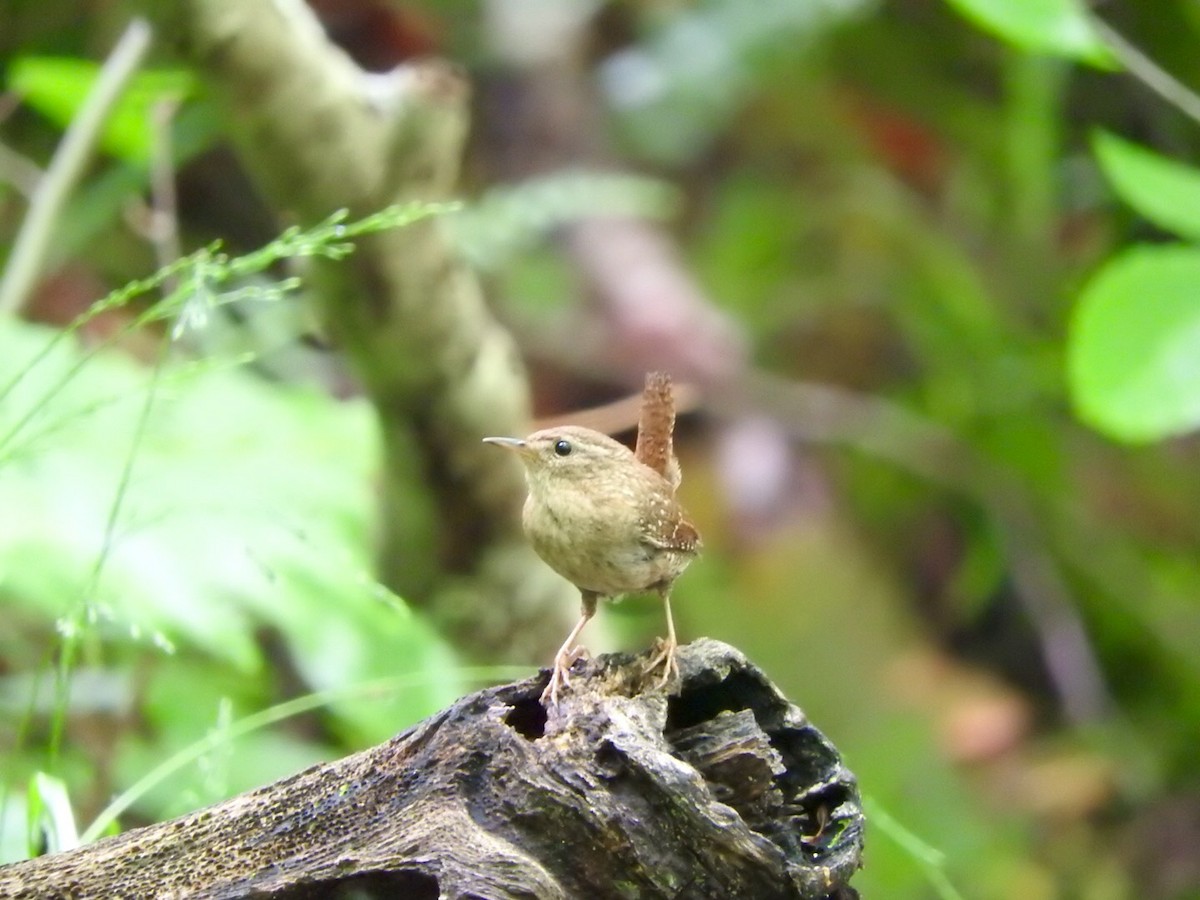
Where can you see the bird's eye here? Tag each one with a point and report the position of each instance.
(562, 448)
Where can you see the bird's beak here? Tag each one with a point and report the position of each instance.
(507, 442)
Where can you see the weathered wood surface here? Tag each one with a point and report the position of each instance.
(719, 788)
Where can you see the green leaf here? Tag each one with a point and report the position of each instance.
(57, 86)
(1060, 27)
(50, 817)
(1162, 190)
(1133, 352)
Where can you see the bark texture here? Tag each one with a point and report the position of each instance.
(720, 788)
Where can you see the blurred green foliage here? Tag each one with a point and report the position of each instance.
(1136, 331)
(1135, 345)
(1043, 26)
(56, 86)
(163, 549)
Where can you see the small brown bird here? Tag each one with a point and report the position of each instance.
(607, 523)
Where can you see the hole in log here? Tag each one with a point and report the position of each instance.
(813, 820)
(776, 771)
(701, 703)
(528, 718)
(609, 759)
(369, 886)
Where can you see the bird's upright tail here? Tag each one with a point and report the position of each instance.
(656, 428)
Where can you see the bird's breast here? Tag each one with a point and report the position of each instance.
(599, 542)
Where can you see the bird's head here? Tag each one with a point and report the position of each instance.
(569, 453)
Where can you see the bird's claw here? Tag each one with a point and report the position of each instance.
(560, 677)
(665, 657)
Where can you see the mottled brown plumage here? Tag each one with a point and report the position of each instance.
(604, 521)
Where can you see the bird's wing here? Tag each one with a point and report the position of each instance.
(683, 538)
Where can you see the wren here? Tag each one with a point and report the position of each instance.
(607, 523)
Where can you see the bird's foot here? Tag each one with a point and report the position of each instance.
(665, 657)
(560, 677)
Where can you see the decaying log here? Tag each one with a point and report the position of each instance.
(719, 789)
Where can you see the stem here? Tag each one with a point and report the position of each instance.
(1034, 90)
(1148, 72)
(33, 239)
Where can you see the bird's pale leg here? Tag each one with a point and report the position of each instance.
(666, 648)
(568, 652)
